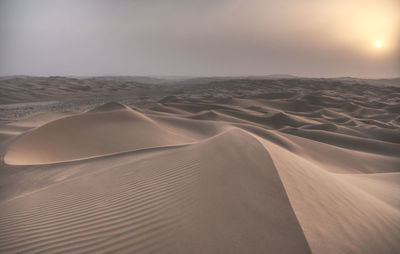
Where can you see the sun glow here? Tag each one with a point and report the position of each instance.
(378, 44)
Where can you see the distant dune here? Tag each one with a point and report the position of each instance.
(260, 165)
(109, 129)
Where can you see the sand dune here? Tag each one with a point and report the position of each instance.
(222, 166)
(108, 129)
(169, 199)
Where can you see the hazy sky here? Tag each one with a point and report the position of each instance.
(200, 37)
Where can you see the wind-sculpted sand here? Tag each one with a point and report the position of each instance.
(107, 130)
(220, 166)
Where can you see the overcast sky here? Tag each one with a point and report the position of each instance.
(200, 37)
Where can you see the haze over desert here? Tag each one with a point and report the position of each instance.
(200, 127)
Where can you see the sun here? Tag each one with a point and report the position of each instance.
(378, 44)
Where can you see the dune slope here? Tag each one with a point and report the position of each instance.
(346, 216)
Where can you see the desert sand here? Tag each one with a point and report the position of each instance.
(207, 165)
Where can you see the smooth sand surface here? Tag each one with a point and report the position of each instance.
(231, 166)
(106, 130)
